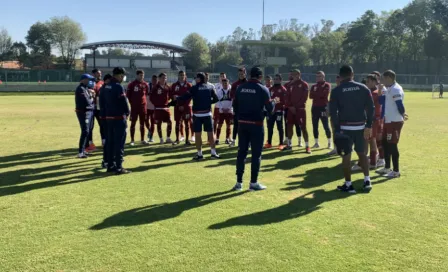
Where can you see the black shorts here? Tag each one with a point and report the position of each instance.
(205, 121)
(345, 140)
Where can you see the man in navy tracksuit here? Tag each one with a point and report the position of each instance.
(352, 112)
(250, 101)
(114, 108)
(203, 95)
(84, 112)
(103, 122)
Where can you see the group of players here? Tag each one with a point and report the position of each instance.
(150, 105)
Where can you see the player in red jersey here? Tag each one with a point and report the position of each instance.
(285, 116)
(241, 79)
(96, 88)
(319, 94)
(160, 96)
(297, 96)
(136, 93)
(268, 82)
(150, 122)
(278, 92)
(182, 110)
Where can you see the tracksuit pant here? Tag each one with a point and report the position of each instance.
(254, 135)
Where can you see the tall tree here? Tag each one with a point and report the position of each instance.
(39, 40)
(199, 56)
(436, 44)
(5, 45)
(19, 53)
(248, 55)
(67, 38)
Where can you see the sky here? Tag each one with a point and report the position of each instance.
(171, 21)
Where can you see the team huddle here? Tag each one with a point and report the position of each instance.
(352, 114)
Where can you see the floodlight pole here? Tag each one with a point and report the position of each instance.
(262, 27)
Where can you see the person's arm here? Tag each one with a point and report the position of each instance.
(102, 102)
(398, 98)
(123, 100)
(313, 91)
(235, 102)
(370, 109)
(269, 104)
(334, 96)
(306, 90)
(129, 90)
(326, 91)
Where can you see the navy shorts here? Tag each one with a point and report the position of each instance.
(199, 122)
(345, 140)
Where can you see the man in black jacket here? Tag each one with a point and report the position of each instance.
(84, 112)
(352, 111)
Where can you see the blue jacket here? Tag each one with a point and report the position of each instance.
(351, 104)
(203, 97)
(113, 101)
(83, 99)
(251, 99)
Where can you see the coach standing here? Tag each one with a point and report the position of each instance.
(250, 101)
(115, 110)
(241, 80)
(84, 112)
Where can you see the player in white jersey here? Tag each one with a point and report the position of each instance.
(225, 110)
(394, 117)
(218, 86)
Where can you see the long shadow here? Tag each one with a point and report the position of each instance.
(295, 162)
(295, 208)
(159, 212)
(36, 157)
(315, 178)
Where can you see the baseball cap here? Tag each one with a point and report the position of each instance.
(119, 71)
(295, 71)
(86, 76)
(256, 72)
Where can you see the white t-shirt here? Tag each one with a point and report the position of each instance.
(226, 105)
(391, 113)
(218, 86)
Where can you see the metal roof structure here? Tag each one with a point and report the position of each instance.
(134, 44)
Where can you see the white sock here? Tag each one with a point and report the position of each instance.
(213, 151)
(300, 139)
(348, 183)
(200, 152)
(80, 154)
(168, 138)
(289, 142)
(307, 144)
(329, 141)
(367, 178)
(316, 141)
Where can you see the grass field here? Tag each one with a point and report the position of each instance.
(58, 213)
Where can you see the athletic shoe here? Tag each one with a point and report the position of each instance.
(232, 144)
(267, 145)
(187, 143)
(168, 140)
(193, 139)
(227, 141)
(257, 187)
(215, 156)
(372, 167)
(122, 171)
(285, 142)
(381, 163)
(393, 174)
(238, 187)
(348, 189)
(181, 139)
(308, 150)
(132, 144)
(176, 142)
(287, 147)
(149, 135)
(316, 145)
(82, 156)
(356, 167)
(280, 147)
(91, 147)
(300, 144)
(104, 165)
(332, 152)
(383, 171)
(87, 153)
(367, 185)
(111, 170)
(198, 158)
(144, 142)
(330, 146)
(103, 142)
(162, 141)
(217, 142)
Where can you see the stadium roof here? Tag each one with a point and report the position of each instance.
(130, 44)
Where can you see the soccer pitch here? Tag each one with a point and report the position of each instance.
(171, 214)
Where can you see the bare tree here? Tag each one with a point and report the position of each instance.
(5, 44)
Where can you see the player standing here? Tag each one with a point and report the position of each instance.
(319, 94)
(136, 93)
(298, 129)
(216, 115)
(277, 92)
(394, 117)
(441, 90)
(84, 111)
(150, 122)
(241, 79)
(182, 110)
(160, 96)
(225, 110)
(351, 110)
(268, 81)
(98, 84)
(297, 95)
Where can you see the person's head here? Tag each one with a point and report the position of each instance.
(372, 81)
(242, 73)
(206, 77)
(278, 79)
(346, 73)
(296, 74)
(389, 77)
(162, 78)
(181, 76)
(378, 75)
(97, 74)
(200, 78)
(320, 76)
(140, 75)
(85, 78)
(119, 74)
(268, 80)
(338, 80)
(154, 79)
(225, 83)
(107, 78)
(364, 81)
(222, 76)
(290, 77)
(256, 73)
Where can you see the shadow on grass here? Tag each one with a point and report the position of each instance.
(159, 212)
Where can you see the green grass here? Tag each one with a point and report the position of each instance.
(62, 214)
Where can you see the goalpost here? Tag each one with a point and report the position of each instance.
(436, 90)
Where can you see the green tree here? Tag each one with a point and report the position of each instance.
(436, 44)
(39, 40)
(199, 56)
(67, 37)
(248, 55)
(19, 53)
(5, 45)
(298, 55)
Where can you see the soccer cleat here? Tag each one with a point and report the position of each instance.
(227, 141)
(132, 144)
(381, 163)
(383, 171)
(144, 142)
(356, 167)
(285, 142)
(287, 147)
(215, 156)
(372, 167)
(367, 185)
(232, 143)
(267, 145)
(256, 186)
(91, 147)
(87, 153)
(151, 140)
(217, 142)
(169, 141)
(122, 171)
(111, 170)
(308, 150)
(198, 157)
(238, 187)
(316, 145)
(181, 139)
(162, 141)
(82, 156)
(393, 174)
(332, 152)
(104, 165)
(330, 146)
(187, 143)
(300, 144)
(280, 147)
(348, 189)
(176, 142)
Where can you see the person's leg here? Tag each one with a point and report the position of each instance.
(243, 147)
(105, 147)
(285, 118)
(216, 117)
(346, 162)
(187, 121)
(82, 119)
(177, 125)
(120, 139)
(302, 122)
(198, 133)
(208, 127)
(110, 144)
(271, 118)
(393, 147)
(235, 128)
(147, 125)
(169, 124)
(218, 128)
(256, 140)
(395, 154)
(134, 116)
(279, 121)
(142, 118)
(326, 126)
(315, 116)
(153, 123)
(229, 120)
(373, 152)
